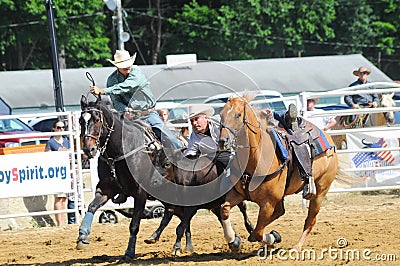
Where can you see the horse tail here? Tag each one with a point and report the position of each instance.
(344, 178)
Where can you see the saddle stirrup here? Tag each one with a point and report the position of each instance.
(309, 189)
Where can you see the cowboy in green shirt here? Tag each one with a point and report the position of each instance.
(129, 90)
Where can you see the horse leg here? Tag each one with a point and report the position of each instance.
(188, 237)
(84, 230)
(247, 223)
(166, 219)
(189, 212)
(140, 201)
(313, 209)
(229, 234)
(232, 198)
(267, 213)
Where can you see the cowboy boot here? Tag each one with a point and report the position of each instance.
(291, 117)
(309, 189)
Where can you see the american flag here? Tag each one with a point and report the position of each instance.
(384, 155)
(362, 157)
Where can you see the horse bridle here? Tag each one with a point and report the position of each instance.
(87, 116)
(246, 123)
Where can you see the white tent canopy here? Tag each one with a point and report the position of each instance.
(33, 89)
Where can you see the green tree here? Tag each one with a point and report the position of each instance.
(252, 28)
(214, 30)
(25, 41)
(371, 29)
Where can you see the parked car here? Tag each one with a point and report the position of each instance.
(15, 126)
(43, 124)
(259, 95)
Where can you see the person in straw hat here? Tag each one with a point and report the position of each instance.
(362, 100)
(130, 91)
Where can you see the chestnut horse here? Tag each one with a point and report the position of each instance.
(271, 178)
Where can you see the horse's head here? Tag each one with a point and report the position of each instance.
(386, 100)
(233, 119)
(92, 124)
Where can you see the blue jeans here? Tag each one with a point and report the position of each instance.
(280, 116)
(168, 139)
(71, 216)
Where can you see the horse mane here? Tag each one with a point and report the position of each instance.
(118, 116)
(246, 96)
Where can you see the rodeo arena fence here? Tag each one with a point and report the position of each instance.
(370, 158)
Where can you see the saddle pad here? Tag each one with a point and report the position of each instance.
(321, 144)
(281, 150)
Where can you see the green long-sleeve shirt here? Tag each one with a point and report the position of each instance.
(133, 91)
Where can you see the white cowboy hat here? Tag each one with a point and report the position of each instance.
(361, 69)
(200, 109)
(122, 59)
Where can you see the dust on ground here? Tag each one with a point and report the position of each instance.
(369, 224)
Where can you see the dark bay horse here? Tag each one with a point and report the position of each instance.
(271, 178)
(196, 172)
(124, 165)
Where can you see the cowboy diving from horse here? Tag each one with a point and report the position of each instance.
(302, 149)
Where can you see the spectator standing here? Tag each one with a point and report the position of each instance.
(59, 143)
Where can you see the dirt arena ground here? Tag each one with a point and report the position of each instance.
(368, 225)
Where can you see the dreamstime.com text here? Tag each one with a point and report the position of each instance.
(339, 253)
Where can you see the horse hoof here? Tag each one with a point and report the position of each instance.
(252, 238)
(189, 249)
(176, 252)
(277, 236)
(235, 245)
(127, 258)
(82, 242)
(150, 241)
(80, 245)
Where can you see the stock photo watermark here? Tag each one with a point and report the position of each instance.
(338, 253)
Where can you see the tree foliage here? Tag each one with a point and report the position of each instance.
(214, 30)
(25, 42)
